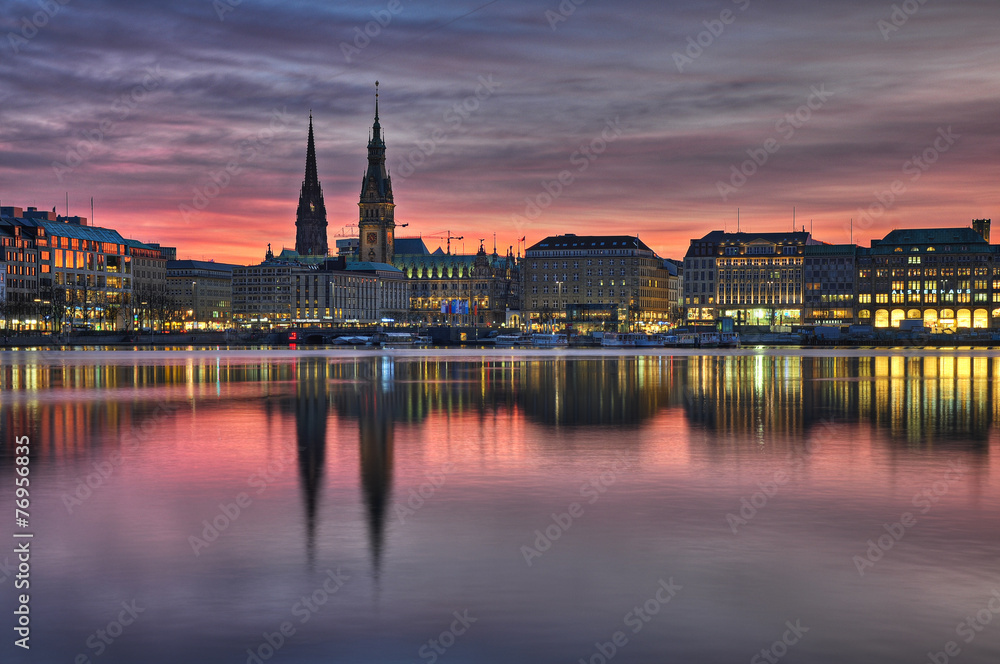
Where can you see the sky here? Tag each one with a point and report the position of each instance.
(187, 121)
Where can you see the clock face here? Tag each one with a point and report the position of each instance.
(372, 238)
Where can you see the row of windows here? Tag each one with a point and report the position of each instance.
(24, 270)
(866, 273)
(926, 297)
(576, 264)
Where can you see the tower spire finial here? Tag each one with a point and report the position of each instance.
(376, 101)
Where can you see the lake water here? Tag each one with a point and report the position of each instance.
(213, 506)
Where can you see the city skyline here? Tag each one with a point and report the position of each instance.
(672, 100)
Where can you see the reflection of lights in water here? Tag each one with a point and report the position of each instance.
(759, 373)
(388, 369)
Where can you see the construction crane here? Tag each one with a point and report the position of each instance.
(449, 236)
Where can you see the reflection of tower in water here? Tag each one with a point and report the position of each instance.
(375, 424)
(310, 434)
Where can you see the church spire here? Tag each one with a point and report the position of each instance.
(310, 218)
(312, 177)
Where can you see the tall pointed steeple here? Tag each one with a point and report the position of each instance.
(376, 224)
(310, 218)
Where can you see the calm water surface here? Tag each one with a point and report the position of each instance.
(694, 505)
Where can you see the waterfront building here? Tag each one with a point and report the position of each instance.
(357, 293)
(202, 292)
(263, 293)
(594, 282)
(19, 259)
(753, 278)
(675, 288)
(830, 273)
(948, 278)
(149, 284)
(85, 273)
(291, 290)
(82, 275)
(465, 290)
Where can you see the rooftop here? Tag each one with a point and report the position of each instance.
(200, 265)
(369, 266)
(933, 236)
(411, 245)
(581, 242)
(93, 233)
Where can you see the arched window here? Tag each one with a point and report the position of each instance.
(980, 319)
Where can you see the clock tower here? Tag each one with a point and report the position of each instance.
(376, 226)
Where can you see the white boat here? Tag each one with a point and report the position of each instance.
(687, 340)
(649, 340)
(396, 339)
(708, 340)
(549, 340)
(512, 340)
(729, 340)
(615, 340)
(631, 339)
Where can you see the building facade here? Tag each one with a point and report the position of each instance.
(948, 278)
(830, 273)
(753, 278)
(289, 290)
(20, 265)
(150, 296)
(86, 274)
(84, 278)
(675, 288)
(465, 290)
(202, 292)
(605, 282)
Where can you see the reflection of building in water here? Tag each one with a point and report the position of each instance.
(310, 435)
(374, 401)
(376, 431)
(758, 395)
(923, 399)
(607, 391)
(783, 398)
